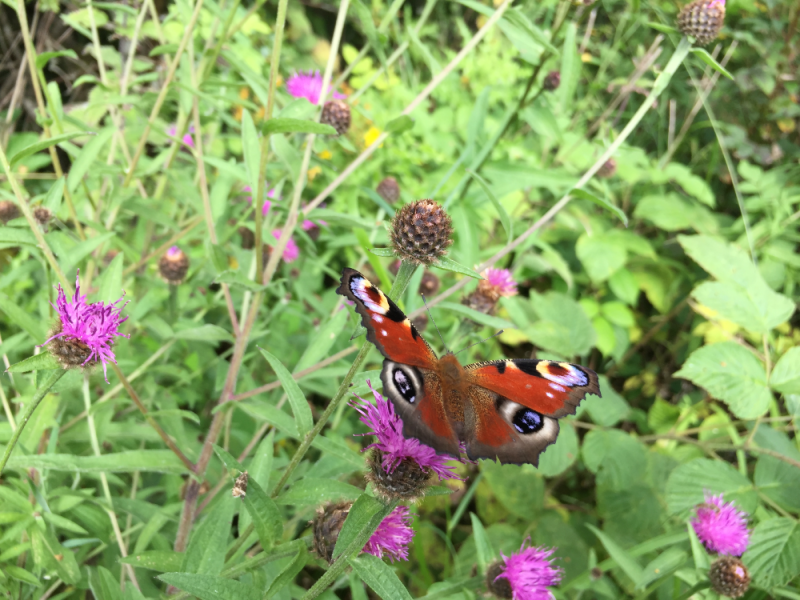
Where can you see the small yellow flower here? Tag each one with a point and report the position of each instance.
(481, 21)
(372, 134)
(325, 155)
(786, 125)
(313, 172)
(233, 263)
(244, 93)
(586, 57)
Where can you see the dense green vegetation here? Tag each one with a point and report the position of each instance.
(644, 194)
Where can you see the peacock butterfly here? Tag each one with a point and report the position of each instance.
(503, 409)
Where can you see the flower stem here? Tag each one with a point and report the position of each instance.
(37, 398)
(400, 285)
(343, 561)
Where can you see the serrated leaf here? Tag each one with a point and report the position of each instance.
(361, 513)
(563, 327)
(380, 577)
(209, 587)
(520, 490)
(785, 377)
(302, 413)
(711, 61)
(601, 255)
(44, 144)
(449, 264)
(284, 125)
(505, 220)
(688, 483)
(779, 481)
(204, 333)
(601, 202)
(205, 553)
(732, 374)
(773, 556)
(43, 361)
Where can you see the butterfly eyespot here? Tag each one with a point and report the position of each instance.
(404, 385)
(527, 421)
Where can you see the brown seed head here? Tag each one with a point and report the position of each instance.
(42, 216)
(70, 352)
(248, 238)
(326, 527)
(173, 266)
(552, 81)
(407, 482)
(702, 19)
(420, 232)
(608, 169)
(8, 210)
(729, 577)
(336, 113)
(389, 189)
(499, 587)
(429, 285)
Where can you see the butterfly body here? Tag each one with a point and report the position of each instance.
(504, 409)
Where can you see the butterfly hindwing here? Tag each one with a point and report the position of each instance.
(387, 327)
(550, 388)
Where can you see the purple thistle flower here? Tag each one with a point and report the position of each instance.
(502, 281)
(187, 137)
(93, 325)
(720, 526)
(387, 426)
(308, 85)
(291, 252)
(174, 252)
(267, 204)
(530, 572)
(392, 536)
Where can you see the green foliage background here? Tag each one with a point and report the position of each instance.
(674, 276)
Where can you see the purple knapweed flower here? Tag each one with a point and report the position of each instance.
(387, 426)
(501, 281)
(530, 572)
(392, 536)
(308, 85)
(174, 252)
(187, 137)
(291, 252)
(271, 193)
(87, 330)
(720, 526)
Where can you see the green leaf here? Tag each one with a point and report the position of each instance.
(111, 281)
(252, 151)
(505, 220)
(322, 341)
(785, 376)
(515, 17)
(313, 492)
(560, 456)
(209, 587)
(234, 466)
(360, 515)
(163, 461)
(21, 574)
(519, 489)
(449, 264)
(477, 316)
(81, 250)
(103, 584)
(86, 158)
(302, 413)
(483, 546)
(601, 202)
(217, 256)
(731, 373)
(44, 361)
(43, 58)
(380, 577)
(385, 252)
(662, 28)
(283, 125)
(206, 551)
(263, 511)
(608, 410)
(15, 236)
(236, 279)
(63, 523)
(688, 483)
(334, 217)
(163, 561)
(563, 327)
(205, 333)
(399, 124)
(779, 480)
(44, 144)
(570, 67)
(163, 49)
(773, 556)
(601, 256)
(624, 560)
(710, 61)
(623, 284)
(48, 551)
(380, 202)
(661, 567)
(23, 319)
(699, 553)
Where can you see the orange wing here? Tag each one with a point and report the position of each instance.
(387, 327)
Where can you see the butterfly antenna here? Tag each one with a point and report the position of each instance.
(434, 322)
(476, 343)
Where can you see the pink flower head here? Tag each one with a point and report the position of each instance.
(387, 426)
(267, 204)
(308, 86)
(530, 572)
(502, 281)
(719, 3)
(392, 536)
(187, 137)
(95, 325)
(720, 526)
(174, 252)
(291, 252)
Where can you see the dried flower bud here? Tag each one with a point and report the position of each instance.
(729, 577)
(420, 232)
(336, 113)
(389, 189)
(174, 265)
(327, 525)
(552, 81)
(420, 322)
(702, 19)
(248, 238)
(8, 211)
(408, 481)
(42, 216)
(240, 486)
(497, 283)
(499, 587)
(608, 169)
(429, 285)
